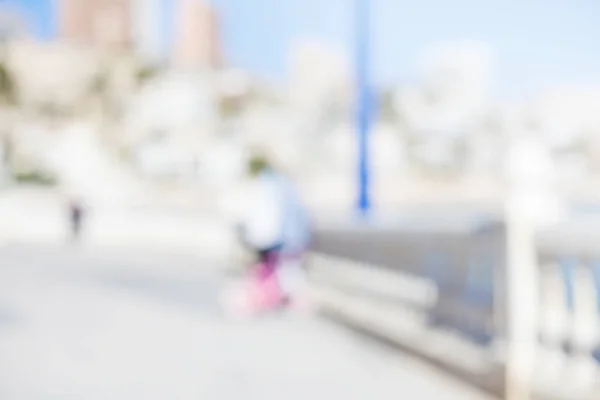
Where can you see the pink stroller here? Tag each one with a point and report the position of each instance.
(257, 293)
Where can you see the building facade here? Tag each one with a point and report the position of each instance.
(96, 22)
(184, 32)
(196, 36)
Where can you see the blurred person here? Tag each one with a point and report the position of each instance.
(76, 216)
(275, 226)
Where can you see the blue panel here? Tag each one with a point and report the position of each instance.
(567, 266)
(437, 268)
(480, 281)
(595, 266)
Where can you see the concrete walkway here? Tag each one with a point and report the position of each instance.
(107, 324)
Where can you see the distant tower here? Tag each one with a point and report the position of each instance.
(197, 43)
(104, 23)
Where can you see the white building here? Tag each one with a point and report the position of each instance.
(566, 114)
(51, 72)
(454, 91)
(317, 74)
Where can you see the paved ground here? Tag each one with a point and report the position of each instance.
(99, 325)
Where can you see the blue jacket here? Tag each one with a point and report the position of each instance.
(295, 226)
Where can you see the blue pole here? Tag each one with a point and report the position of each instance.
(363, 102)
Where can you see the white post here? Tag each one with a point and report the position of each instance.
(530, 203)
(522, 316)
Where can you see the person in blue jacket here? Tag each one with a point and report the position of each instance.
(276, 223)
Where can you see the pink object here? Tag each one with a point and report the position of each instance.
(264, 295)
(259, 292)
(262, 272)
(264, 290)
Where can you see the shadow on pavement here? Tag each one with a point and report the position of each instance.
(9, 318)
(191, 294)
(178, 280)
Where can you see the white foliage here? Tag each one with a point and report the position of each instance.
(387, 151)
(51, 72)
(567, 113)
(172, 103)
(454, 90)
(317, 73)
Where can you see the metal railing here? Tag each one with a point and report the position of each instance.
(464, 257)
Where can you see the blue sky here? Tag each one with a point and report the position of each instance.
(39, 13)
(536, 42)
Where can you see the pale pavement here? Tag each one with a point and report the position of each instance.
(100, 324)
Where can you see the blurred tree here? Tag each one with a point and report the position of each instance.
(35, 177)
(147, 73)
(266, 94)
(50, 110)
(390, 112)
(8, 94)
(99, 85)
(8, 101)
(230, 107)
(106, 97)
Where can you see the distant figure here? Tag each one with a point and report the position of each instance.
(75, 219)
